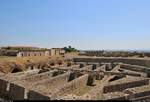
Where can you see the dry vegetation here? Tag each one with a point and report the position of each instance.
(7, 64)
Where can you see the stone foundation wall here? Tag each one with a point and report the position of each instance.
(134, 96)
(134, 61)
(137, 94)
(88, 67)
(142, 99)
(3, 88)
(54, 81)
(134, 67)
(39, 77)
(29, 53)
(11, 91)
(72, 85)
(32, 95)
(141, 94)
(120, 87)
(119, 98)
(16, 76)
(16, 92)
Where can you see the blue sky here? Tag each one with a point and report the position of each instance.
(84, 24)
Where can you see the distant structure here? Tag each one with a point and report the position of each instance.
(106, 53)
(49, 52)
(92, 52)
(26, 51)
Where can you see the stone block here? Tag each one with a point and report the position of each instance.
(32, 95)
(16, 92)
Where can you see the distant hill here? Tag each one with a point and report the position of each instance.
(13, 50)
(21, 48)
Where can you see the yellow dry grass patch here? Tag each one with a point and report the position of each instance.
(5, 61)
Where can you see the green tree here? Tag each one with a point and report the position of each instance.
(69, 49)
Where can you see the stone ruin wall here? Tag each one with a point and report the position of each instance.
(32, 95)
(29, 54)
(18, 92)
(137, 96)
(81, 81)
(133, 61)
(123, 86)
(39, 76)
(11, 90)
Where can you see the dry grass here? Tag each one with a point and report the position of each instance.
(5, 61)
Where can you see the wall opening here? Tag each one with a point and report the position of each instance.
(116, 78)
(52, 64)
(32, 67)
(22, 55)
(72, 76)
(90, 81)
(59, 63)
(15, 70)
(57, 73)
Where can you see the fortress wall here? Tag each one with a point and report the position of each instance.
(123, 86)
